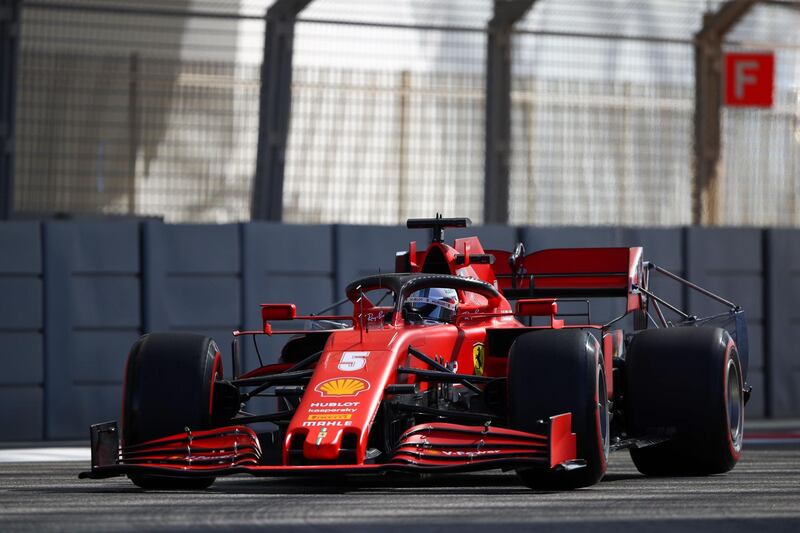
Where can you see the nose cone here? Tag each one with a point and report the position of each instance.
(339, 404)
(323, 443)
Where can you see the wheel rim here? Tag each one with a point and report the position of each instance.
(735, 404)
(602, 410)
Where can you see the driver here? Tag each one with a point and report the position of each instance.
(433, 305)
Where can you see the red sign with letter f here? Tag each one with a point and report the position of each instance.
(749, 79)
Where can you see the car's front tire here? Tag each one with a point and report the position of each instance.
(169, 386)
(561, 371)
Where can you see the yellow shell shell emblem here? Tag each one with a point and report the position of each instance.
(342, 387)
(478, 358)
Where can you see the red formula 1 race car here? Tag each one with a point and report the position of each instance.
(434, 370)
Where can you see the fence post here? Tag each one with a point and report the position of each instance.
(9, 50)
(402, 148)
(498, 108)
(133, 128)
(708, 106)
(275, 102)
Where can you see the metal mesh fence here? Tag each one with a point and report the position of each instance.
(380, 145)
(151, 108)
(760, 177)
(602, 135)
(144, 113)
(387, 111)
(602, 116)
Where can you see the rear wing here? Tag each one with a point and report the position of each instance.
(604, 272)
(571, 272)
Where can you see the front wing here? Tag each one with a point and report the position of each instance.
(430, 447)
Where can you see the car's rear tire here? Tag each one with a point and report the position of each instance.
(169, 386)
(551, 372)
(685, 384)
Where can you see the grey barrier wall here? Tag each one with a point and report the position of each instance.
(74, 295)
(730, 262)
(782, 317)
(192, 278)
(92, 313)
(21, 334)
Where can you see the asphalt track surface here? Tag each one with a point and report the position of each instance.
(761, 494)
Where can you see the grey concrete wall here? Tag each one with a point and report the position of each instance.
(21, 338)
(729, 262)
(191, 278)
(92, 314)
(74, 295)
(782, 309)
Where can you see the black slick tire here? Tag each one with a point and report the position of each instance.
(553, 372)
(684, 384)
(169, 386)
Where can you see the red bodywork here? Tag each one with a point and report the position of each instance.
(359, 364)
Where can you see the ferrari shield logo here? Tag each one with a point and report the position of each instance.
(478, 358)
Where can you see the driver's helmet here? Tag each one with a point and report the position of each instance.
(436, 304)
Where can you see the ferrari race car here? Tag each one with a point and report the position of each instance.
(432, 369)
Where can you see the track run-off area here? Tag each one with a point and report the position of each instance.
(761, 494)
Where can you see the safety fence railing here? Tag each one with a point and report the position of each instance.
(153, 110)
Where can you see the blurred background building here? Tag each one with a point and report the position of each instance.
(151, 108)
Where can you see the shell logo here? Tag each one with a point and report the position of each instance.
(342, 387)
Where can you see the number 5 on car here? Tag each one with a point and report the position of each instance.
(352, 361)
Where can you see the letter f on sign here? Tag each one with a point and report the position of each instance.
(741, 78)
(749, 79)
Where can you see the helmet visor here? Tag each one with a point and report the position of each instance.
(434, 303)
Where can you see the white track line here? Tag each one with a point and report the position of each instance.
(757, 441)
(43, 455)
